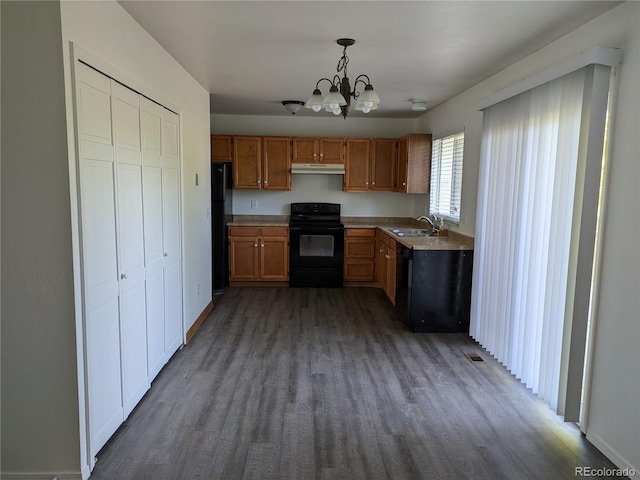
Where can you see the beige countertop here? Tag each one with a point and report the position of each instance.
(452, 240)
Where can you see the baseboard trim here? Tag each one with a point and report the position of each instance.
(40, 475)
(196, 325)
(612, 455)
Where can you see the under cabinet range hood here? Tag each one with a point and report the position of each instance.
(322, 168)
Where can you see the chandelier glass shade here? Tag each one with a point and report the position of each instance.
(338, 100)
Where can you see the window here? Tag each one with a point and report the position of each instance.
(446, 177)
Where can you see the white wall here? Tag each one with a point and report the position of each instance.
(39, 382)
(615, 401)
(321, 188)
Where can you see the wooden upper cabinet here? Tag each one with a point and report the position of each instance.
(221, 150)
(413, 170)
(318, 150)
(356, 177)
(383, 164)
(247, 162)
(305, 150)
(370, 165)
(331, 150)
(262, 162)
(276, 163)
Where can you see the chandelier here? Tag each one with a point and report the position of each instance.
(338, 100)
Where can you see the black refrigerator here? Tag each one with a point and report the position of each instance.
(221, 205)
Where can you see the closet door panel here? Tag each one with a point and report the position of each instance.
(133, 321)
(171, 232)
(151, 129)
(99, 255)
(173, 284)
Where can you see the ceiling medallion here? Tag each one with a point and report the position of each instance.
(338, 100)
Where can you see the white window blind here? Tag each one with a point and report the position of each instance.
(446, 177)
(526, 191)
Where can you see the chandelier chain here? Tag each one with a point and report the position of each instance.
(342, 63)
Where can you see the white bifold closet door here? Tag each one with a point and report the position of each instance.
(133, 321)
(99, 255)
(129, 177)
(162, 238)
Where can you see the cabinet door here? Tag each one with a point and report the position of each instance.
(381, 264)
(151, 130)
(356, 178)
(401, 165)
(305, 150)
(247, 162)
(331, 150)
(391, 271)
(383, 165)
(133, 325)
(274, 258)
(221, 148)
(276, 163)
(418, 163)
(99, 257)
(243, 258)
(171, 233)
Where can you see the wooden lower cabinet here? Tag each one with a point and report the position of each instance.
(385, 260)
(359, 254)
(258, 253)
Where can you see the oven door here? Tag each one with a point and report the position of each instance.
(316, 256)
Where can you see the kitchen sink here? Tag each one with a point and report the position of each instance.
(414, 232)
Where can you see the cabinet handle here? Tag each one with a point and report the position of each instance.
(315, 154)
(258, 182)
(404, 183)
(373, 183)
(264, 183)
(387, 257)
(322, 154)
(366, 183)
(123, 276)
(262, 245)
(255, 245)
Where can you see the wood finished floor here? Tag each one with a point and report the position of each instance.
(283, 383)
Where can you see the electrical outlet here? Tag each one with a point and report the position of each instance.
(198, 289)
(197, 179)
(254, 204)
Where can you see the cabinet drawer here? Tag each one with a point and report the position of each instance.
(244, 231)
(275, 231)
(258, 231)
(382, 237)
(360, 232)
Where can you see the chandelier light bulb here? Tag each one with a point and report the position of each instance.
(337, 111)
(366, 109)
(367, 105)
(333, 106)
(316, 107)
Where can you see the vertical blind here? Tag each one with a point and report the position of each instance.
(446, 176)
(527, 180)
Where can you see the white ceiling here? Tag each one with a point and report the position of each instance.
(251, 55)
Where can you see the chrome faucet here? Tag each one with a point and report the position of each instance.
(433, 220)
(425, 217)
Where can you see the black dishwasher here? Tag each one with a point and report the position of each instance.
(433, 289)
